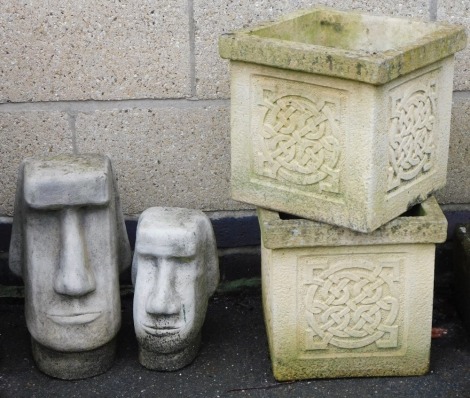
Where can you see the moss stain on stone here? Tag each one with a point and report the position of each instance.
(327, 29)
(345, 44)
(358, 68)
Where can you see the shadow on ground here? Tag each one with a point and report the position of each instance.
(233, 361)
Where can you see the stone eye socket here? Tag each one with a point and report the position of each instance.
(177, 259)
(183, 259)
(146, 257)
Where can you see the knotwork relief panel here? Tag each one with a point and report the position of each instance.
(297, 137)
(349, 305)
(412, 130)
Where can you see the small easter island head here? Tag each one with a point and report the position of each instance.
(175, 271)
(69, 245)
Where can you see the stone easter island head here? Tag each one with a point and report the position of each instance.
(175, 271)
(69, 244)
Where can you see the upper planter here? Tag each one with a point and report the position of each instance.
(341, 117)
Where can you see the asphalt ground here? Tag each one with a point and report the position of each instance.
(233, 360)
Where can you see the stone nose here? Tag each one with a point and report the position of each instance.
(74, 276)
(163, 298)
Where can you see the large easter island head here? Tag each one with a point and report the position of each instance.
(69, 244)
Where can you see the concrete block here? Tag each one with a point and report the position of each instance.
(338, 303)
(457, 189)
(213, 18)
(64, 50)
(458, 12)
(27, 134)
(309, 142)
(169, 156)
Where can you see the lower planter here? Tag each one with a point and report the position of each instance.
(339, 303)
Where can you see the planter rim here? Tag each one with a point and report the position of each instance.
(429, 226)
(439, 40)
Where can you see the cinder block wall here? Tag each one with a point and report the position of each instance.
(142, 82)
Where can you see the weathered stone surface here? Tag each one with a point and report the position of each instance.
(335, 150)
(74, 365)
(458, 12)
(64, 50)
(457, 189)
(213, 18)
(348, 45)
(175, 271)
(167, 156)
(462, 272)
(424, 223)
(27, 134)
(339, 304)
(69, 243)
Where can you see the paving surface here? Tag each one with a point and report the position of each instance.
(233, 361)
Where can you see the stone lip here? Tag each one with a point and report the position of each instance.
(426, 224)
(349, 45)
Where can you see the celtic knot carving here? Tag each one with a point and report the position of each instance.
(298, 142)
(411, 142)
(352, 307)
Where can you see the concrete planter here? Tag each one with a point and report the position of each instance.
(340, 117)
(339, 303)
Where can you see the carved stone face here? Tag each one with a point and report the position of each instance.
(173, 281)
(70, 265)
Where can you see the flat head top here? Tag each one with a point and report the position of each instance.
(167, 231)
(67, 180)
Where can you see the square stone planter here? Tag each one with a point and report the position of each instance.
(462, 272)
(340, 117)
(338, 303)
